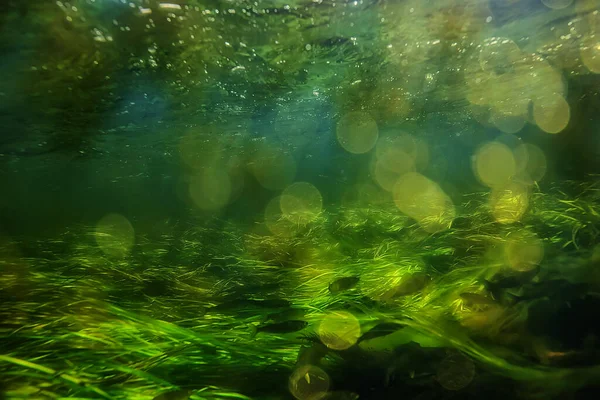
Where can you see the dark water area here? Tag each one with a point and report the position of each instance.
(232, 199)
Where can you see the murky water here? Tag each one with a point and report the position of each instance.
(308, 199)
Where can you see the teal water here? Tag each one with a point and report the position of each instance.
(304, 199)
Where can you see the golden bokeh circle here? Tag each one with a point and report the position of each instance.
(385, 178)
(551, 113)
(274, 169)
(498, 55)
(276, 221)
(507, 123)
(494, 164)
(357, 132)
(590, 55)
(531, 162)
(339, 330)
(524, 251)
(301, 202)
(210, 189)
(114, 235)
(509, 203)
(308, 382)
(423, 200)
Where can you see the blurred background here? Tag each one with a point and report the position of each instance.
(206, 163)
(107, 105)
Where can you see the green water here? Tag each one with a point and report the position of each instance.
(309, 199)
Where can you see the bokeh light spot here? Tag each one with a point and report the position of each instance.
(385, 178)
(210, 189)
(531, 163)
(524, 250)
(276, 221)
(590, 56)
(396, 160)
(402, 153)
(498, 54)
(357, 132)
(542, 79)
(301, 202)
(115, 235)
(507, 123)
(423, 200)
(481, 114)
(339, 330)
(364, 194)
(397, 155)
(494, 164)
(455, 372)
(309, 382)
(551, 113)
(509, 203)
(272, 168)
(507, 99)
(557, 4)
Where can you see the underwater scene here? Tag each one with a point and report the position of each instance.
(300, 199)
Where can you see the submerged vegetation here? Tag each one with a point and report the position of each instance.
(79, 322)
(231, 199)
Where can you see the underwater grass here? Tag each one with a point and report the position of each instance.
(76, 323)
